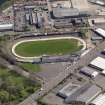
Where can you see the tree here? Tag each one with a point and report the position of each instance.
(30, 89)
(23, 94)
(13, 97)
(4, 96)
(83, 33)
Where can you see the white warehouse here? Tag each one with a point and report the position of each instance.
(98, 63)
(100, 100)
(6, 27)
(101, 32)
(98, 2)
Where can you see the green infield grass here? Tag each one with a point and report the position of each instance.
(48, 47)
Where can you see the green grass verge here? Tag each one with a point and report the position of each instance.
(48, 47)
(15, 88)
(31, 67)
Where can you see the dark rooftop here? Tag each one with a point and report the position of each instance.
(84, 94)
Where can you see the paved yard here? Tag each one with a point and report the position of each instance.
(52, 99)
(63, 3)
(100, 80)
(51, 70)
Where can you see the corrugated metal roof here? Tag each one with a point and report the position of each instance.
(65, 12)
(84, 94)
(89, 71)
(6, 26)
(101, 32)
(68, 90)
(99, 2)
(88, 95)
(100, 100)
(98, 62)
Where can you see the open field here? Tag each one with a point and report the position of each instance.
(15, 88)
(47, 47)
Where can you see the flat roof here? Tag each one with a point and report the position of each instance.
(88, 95)
(100, 2)
(68, 90)
(6, 26)
(100, 100)
(98, 62)
(61, 12)
(84, 94)
(100, 31)
(103, 72)
(89, 71)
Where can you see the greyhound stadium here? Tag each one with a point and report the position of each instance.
(35, 48)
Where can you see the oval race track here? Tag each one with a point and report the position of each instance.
(30, 59)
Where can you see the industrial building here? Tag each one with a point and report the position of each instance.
(96, 38)
(64, 23)
(33, 18)
(89, 72)
(98, 2)
(80, 95)
(6, 22)
(97, 21)
(68, 90)
(62, 12)
(84, 94)
(6, 27)
(100, 100)
(101, 32)
(27, 17)
(103, 72)
(39, 20)
(98, 63)
(64, 17)
(103, 52)
(19, 20)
